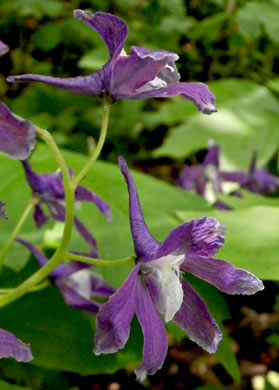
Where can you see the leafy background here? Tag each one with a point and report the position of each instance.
(231, 45)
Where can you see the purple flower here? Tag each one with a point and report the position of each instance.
(256, 180)
(17, 136)
(142, 74)
(50, 188)
(156, 286)
(3, 48)
(75, 281)
(2, 211)
(10, 346)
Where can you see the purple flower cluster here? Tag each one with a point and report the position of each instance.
(196, 177)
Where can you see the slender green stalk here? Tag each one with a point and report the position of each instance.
(17, 228)
(38, 287)
(59, 255)
(99, 146)
(105, 263)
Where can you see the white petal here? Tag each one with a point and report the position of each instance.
(166, 275)
(82, 282)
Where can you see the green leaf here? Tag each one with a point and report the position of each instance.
(247, 120)
(253, 18)
(251, 240)
(248, 199)
(7, 386)
(61, 337)
(48, 36)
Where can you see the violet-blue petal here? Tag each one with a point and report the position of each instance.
(235, 177)
(17, 136)
(35, 182)
(219, 205)
(39, 216)
(196, 320)
(2, 211)
(155, 338)
(73, 298)
(3, 48)
(212, 156)
(203, 236)
(144, 243)
(11, 346)
(83, 194)
(198, 93)
(115, 316)
(84, 85)
(224, 276)
(112, 29)
(134, 71)
(193, 178)
(99, 287)
(88, 237)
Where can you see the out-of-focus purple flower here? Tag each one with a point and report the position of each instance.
(10, 346)
(256, 180)
(50, 188)
(141, 74)
(2, 211)
(17, 136)
(76, 282)
(196, 177)
(3, 48)
(155, 286)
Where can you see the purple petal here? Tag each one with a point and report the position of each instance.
(10, 346)
(99, 287)
(2, 211)
(212, 156)
(3, 48)
(112, 29)
(39, 256)
(88, 237)
(222, 275)
(235, 177)
(84, 85)
(115, 316)
(39, 216)
(83, 194)
(34, 180)
(198, 93)
(155, 337)
(17, 136)
(219, 205)
(73, 298)
(144, 243)
(196, 320)
(193, 178)
(203, 236)
(134, 71)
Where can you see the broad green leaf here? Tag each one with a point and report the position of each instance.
(48, 36)
(248, 199)
(247, 120)
(251, 240)
(254, 18)
(61, 337)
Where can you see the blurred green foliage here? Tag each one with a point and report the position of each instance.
(232, 45)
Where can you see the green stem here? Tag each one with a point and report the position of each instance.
(59, 255)
(105, 263)
(99, 146)
(38, 287)
(17, 228)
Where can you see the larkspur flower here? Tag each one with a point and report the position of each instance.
(255, 180)
(142, 74)
(10, 346)
(17, 136)
(2, 211)
(50, 188)
(3, 48)
(155, 285)
(75, 280)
